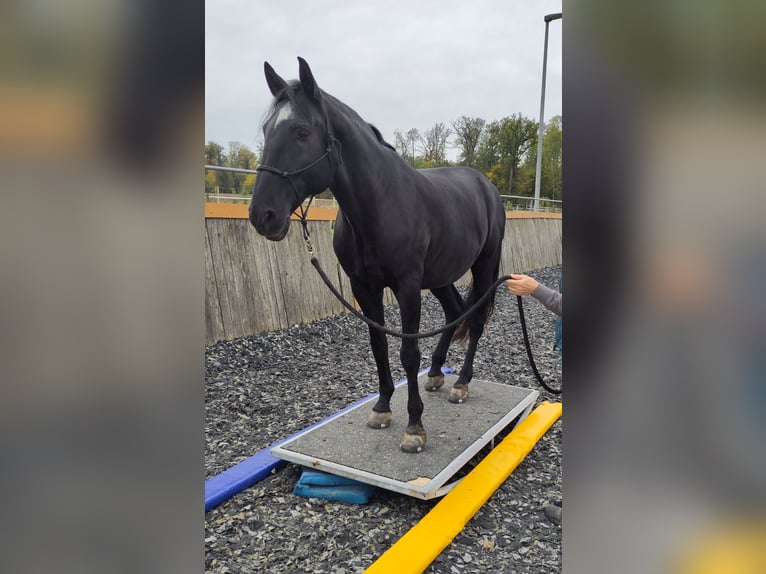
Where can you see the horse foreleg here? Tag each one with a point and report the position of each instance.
(414, 439)
(380, 416)
(452, 304)
(371, 302)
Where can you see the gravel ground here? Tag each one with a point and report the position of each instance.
(262, 388)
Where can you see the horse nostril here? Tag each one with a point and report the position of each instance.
(268, 217)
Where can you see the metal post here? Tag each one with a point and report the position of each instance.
(541, 126)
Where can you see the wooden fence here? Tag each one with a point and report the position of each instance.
(254, 285)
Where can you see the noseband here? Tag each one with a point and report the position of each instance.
(331, 141)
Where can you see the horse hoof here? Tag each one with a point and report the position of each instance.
(413, 441)
(378, 420)
(435, 383)
(458, 393)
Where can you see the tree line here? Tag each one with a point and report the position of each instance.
(504, 150)
(236, 155)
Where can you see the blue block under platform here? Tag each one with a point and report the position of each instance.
(317, 484)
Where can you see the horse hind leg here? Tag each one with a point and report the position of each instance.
(484, 273)
(452, 304)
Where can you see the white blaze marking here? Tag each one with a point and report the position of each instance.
(284, 113)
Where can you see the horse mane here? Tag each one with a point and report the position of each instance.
(378, 135)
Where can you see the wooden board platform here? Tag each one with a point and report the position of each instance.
(345, 446)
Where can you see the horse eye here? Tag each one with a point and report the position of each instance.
(303, 133)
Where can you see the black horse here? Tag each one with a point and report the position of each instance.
(397, 227)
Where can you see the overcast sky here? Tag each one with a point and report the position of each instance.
(400, 64)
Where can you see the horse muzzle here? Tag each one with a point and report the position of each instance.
(269, 224)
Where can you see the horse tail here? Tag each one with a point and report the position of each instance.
(462, 331)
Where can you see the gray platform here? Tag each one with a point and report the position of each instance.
(345, 446)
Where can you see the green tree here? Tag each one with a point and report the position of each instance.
(467, 136)
(215, 180)
(550, 168)
(503, 147)
(524, 180)
(209, 181)
(551, 174)
(242, 157)
(224, 181)
(214, 154)
(488, 154)
(248, 184)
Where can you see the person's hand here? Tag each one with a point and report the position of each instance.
(521, 284)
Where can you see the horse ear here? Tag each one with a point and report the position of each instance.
(307, 79)
(276, 83)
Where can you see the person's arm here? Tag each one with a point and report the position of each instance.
(551, 298)
(521, 284)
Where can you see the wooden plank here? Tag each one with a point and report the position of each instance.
(533, 238)
(262, 285)
(264, 308)
(512, 247)
(508, 247)
(302, 287)
(275, 254)
(246, 288)
(234, 253)
(222, 274)
(213, 323)
(548, 238)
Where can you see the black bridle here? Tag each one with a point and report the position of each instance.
(331, 142)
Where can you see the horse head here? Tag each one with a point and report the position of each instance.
(297, 160)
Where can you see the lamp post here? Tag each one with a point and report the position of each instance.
(541, 125)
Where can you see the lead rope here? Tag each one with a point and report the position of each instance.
(455, 323)
(529, 350)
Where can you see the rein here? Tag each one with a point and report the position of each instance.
(455, 323)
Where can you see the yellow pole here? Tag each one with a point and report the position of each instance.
(414, 551)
